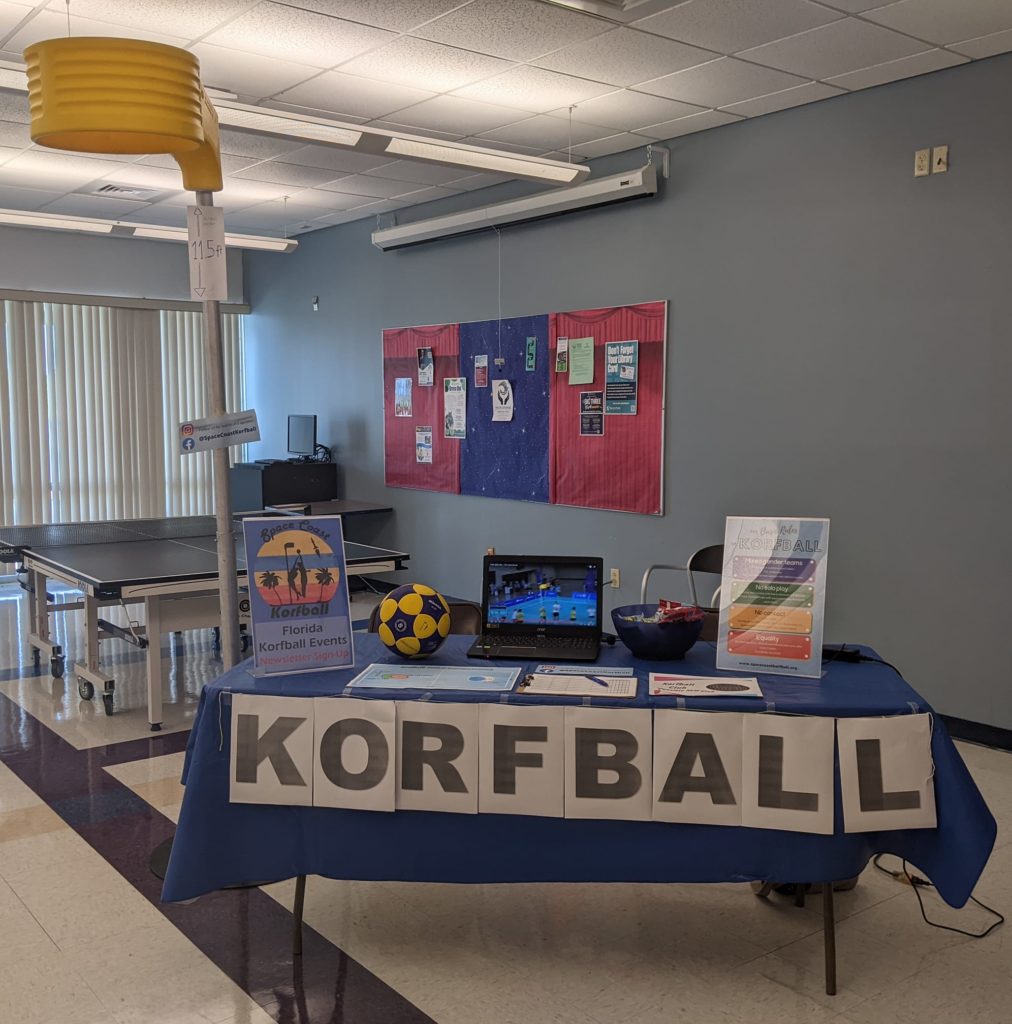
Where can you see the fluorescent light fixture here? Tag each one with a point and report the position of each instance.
(476, 159)
(296, 126)
(124, 229)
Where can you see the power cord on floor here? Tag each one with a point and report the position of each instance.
(917, 883)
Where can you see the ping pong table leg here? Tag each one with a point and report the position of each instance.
(39, 636)
(153, 631)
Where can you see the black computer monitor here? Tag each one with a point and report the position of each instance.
(301, 435)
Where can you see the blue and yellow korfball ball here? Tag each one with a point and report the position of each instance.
(414, 620)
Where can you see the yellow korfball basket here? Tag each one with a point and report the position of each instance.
(92, 94)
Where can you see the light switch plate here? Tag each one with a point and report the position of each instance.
(939, 159)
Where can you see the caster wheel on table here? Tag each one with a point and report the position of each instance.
(56, 667)
(85, 689)
(107, 703)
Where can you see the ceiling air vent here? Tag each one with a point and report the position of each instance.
(135, 192)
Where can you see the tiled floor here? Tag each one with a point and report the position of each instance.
(83, 938)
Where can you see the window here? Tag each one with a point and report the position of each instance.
(91, 398)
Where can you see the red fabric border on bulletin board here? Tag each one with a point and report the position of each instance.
(400, 359)
(622, 470)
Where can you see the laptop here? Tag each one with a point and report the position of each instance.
(545, 607)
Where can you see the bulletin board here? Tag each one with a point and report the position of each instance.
(548, 450)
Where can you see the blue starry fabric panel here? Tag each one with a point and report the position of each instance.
(506, 460)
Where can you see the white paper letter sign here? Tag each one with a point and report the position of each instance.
(608, 762)
(438, 746)
(697, 767)
(271, 760)
(886, 773)
(520, 760)
(787, 773)
(356, 757)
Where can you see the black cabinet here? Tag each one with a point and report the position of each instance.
(255, 485)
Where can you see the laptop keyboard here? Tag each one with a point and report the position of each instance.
(572, 643)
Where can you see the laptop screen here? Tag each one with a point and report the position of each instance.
(553, 593)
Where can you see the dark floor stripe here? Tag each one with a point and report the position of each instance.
(246, 933)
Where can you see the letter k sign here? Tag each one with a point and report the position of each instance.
(271, 750)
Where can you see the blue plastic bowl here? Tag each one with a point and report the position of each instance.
(654, 641)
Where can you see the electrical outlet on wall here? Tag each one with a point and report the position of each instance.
(616, 578)
(922, 163)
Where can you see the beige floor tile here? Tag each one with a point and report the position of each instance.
(152, 769)
(26, 822)
(46, 990)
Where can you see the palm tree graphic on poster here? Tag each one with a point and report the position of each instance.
(294, 558)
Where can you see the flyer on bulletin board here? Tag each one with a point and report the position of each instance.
(298, 589)
(455, 407)
(621, 374)
(773, 595)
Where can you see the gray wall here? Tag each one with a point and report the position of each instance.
(838, 346)
(53, 262)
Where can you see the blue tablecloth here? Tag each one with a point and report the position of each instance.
(219, 843)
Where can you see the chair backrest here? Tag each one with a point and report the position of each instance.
(465, 618)
(706, 560)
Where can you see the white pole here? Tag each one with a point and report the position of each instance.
(227, 589)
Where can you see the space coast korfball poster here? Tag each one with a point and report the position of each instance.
(298, 590)
(773, 595)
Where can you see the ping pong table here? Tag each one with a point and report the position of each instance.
(169, 565)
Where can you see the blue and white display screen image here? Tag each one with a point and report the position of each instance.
(543, 593)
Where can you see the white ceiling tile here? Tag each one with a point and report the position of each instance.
(287, 174)
(159, 213)
(350, 94)
(506, 147)
(721, 82)
(9, 153)
(621, 143)
(248, 74)
(417, 172)
(93, 206)
(333, 219)
(427, 195)
(458, 116)
(324, 199)
(943, 21)
(242, 192)
(986, 46)
(397, 15)
(53, 25)
(229, 164)
(15, 134)
(624, 57)
(49, 169)
(835, 49)
(263, 147)
(14, 106)
(782, 100)
(10, 15)
(894, 70)
(389, 125)
(688, 125)
(335, 159)
(533, 89)
(14, 198)
(855, 6)
(514, 29)
(475, 181)
(628, 110)
(373, 208)
(276, 30)
(280, 214)
(547, 132)
(728, 26)
(185, 18)
(425, 65)
(368, 185)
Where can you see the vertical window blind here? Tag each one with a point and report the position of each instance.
(91, 398)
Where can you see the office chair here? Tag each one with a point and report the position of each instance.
(706, 560)
(465, 618)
